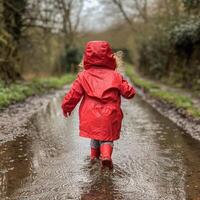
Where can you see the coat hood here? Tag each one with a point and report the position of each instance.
(99, 54)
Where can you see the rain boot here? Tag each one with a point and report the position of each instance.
(95, 153)
(106, 153)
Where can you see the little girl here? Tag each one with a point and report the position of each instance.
(101, 87)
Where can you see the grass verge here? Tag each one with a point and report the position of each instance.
(155, 91)
(19, 91)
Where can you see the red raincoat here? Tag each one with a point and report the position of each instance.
(101, 87)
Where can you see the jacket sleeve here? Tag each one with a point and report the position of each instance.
(72, 98)
(126, 90)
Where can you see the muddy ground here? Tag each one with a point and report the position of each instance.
(43, 158)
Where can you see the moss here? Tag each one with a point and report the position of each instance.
(19, 91)
(177, 100)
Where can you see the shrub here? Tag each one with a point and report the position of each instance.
(71, 58)
(173, 52)
(185, 35)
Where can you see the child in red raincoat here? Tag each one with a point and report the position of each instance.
(100, 88)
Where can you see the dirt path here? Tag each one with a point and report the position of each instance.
(47, 160)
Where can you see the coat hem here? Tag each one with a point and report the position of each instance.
(87, 135)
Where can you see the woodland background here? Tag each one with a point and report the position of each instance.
(47, 37)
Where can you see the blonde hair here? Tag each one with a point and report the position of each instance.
(119, 58)
(81, 66)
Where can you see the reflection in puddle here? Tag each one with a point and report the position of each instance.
(15, 164)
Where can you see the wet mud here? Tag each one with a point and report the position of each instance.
(47, 160)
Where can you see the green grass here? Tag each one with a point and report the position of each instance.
(177, 100)
(138, 81)
(19, 91)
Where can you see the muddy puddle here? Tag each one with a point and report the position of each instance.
(153, 160)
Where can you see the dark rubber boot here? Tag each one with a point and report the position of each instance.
(106, 153)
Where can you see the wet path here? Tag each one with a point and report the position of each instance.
(153, 160)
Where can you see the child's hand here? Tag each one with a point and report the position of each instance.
(67, 114)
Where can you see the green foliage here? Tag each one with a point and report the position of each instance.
(185, 35)
(138, 81)
(191, 4)
(54, 82)
(153, 53)
(13, 17)
(177, 100)
(11, 22)
(21, 90)
(72, 57)
(168, 46)
(173, 98)
(171, 51)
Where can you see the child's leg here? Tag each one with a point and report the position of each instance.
(111, 143)
(106, 154)
(95, 144)
(95, 149)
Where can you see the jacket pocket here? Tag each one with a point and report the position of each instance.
(105, 110)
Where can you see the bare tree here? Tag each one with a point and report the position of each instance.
(121, 8)
(169, 8)
(70, 11)
(142, 9)
(133, 9)
(55, 15)
(42, 13)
